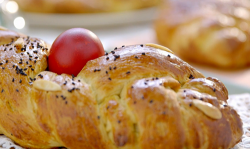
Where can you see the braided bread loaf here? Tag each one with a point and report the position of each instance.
(136, 97)
(213, 32)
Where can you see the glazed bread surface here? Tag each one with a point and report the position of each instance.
(83, 6)
(135, 97)
(212, 32)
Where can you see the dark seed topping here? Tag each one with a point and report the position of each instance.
(132, 86)
(151, 101)
(13, 80)
(190, 104)
(136, 57)
(27, 62)
(36, 57)
(169, 55)
(25, 69)
(106, 72)
(141, 45)
(17, 90)
(1, 63)
(79, 80)
(123, 46)
(20, 81)
(191, 76)
(7, 61)
(73, 83)
(30, 59)
(56, 96)
(65, 83)
(201, 99)
(95, 70)
(109, 78)
(143, 53)
(119, 121)
(32, 69)
(110, 68)
(3, 68)
(214, 89)
(30, 65)
(114, 67)
(117, 56)
(98, 117)
(128, 72)
(2, 91)
(107, 58)
(106, 53)
(115, 48)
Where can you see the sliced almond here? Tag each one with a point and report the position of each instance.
(19, 43)
(46, 85)
(159, 47)
(208, 109)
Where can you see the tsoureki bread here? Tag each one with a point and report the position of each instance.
(135, 97)
(213, 32)
(83, 6)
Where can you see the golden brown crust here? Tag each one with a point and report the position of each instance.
(136, 97)
(83, 6)
(8, 36)
(213, 32)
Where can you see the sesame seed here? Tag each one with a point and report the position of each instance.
(2, 91)
(95, 70)
(106, 72)
(36, 57)
(115, 48)
(123, 46)
(114, 67)
(7, 61)
(34, 61)
(13, 80)
(79, 80)
(66, 102)
(151, 101)
(30, 65)
(136, 57)
(20, 62)
(128, 72)
(141, 45)
(134, 102)
(65, 83)
(107, 58)
(1, 63)
(201, 99)
(113, 52)
(27, 62)
(30, 59)
(119, 121)
(143, 53)
(3, 68)
(56, 96)
(20, 81)
(110, 68)
(32, 69)
(190, 104)
(98, 117)
(73, 83)
(25, 69)
(214, 89)
(109, 78)
(169, 55)
(132, 86)
(106, 53)
(17, 90)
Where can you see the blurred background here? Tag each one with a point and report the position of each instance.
(128, 22)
